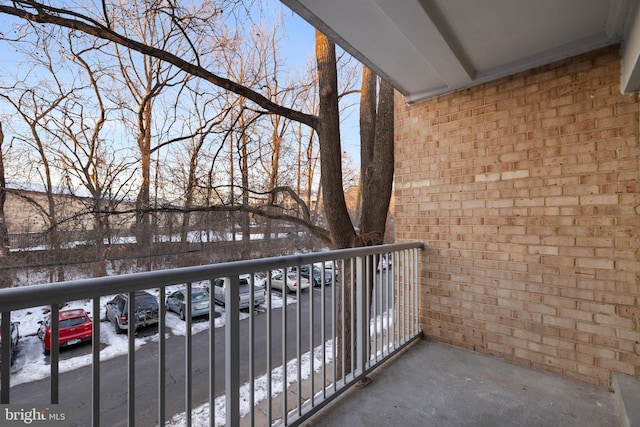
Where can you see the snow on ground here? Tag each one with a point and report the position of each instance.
(200, 415)
(381, 323)
(32, 365)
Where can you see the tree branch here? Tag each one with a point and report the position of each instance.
(315, 230)
(44, 14)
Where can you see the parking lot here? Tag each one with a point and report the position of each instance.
(30, 372)
(31, 364)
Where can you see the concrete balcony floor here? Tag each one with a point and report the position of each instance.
(435, 384)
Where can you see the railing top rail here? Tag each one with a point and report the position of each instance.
(45, 294)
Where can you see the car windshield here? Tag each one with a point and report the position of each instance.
(145, 301)
(199, 297)
(74, 321)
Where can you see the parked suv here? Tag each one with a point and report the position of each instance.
(146, 311)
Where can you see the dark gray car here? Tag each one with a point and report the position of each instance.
(319, 277)
(146, 311)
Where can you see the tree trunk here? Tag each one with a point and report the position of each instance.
(377, 173)
(188, 202)
(99, 233)
(143, 223)
(342, 232)
(367, 130)
(377, 177)
(244, 170)
(335, 208)
(55, 239)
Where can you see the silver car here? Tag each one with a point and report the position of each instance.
(199, 302)
(259, 293)
(278, 281)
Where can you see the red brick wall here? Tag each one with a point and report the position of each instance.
(526, 193)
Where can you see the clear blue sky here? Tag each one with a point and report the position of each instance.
(299, 47)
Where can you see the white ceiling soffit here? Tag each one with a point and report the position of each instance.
(430, 47)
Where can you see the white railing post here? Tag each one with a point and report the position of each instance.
(232, 350)
(361, 321)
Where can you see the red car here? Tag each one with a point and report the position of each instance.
(75, 326)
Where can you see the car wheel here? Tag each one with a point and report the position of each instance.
(181, 314)
(117, 328)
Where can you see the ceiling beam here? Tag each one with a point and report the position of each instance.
(436, 42)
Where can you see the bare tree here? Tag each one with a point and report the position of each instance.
(241, 61)
(377, 143)
(145, 78)
(325, 123)
(307, 146)
(376, 132)
(86, 161)
(206, 118)
(343, 234)
(34, 103)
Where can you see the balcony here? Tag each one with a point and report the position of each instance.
(435, 384)
(175, 372)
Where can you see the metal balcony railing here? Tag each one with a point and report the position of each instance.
(292, 359)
